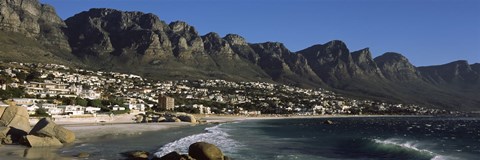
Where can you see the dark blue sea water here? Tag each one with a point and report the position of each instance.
(348, 138)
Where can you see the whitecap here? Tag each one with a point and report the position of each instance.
(214, 135)
(410, 145)
(407, 144)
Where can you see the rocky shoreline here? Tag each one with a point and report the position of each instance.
(15, 129)
(45, 138)
(196, 151)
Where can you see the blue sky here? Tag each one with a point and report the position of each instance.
(427, 32)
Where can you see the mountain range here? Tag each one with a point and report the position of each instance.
(141, 43)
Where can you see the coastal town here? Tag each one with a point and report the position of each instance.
(58, 90)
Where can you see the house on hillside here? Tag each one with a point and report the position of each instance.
(72, 109)
(92, 110)
(31, 108)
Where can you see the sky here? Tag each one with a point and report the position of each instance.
(427, 32)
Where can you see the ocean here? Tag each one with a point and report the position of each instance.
(364, 138)
(422, 138)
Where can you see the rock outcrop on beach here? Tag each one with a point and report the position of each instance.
(14, 119)
(204, 150)
(36, 141)
(165, 117)
(136, 155)
(196, 151)
(47, 128)
(15, 129)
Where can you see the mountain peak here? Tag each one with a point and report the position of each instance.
(390, 57)
(459, 62)
(362, 53)
(396, 67)
(235, 39)
(212, 35)
(335, 43)
(272, 47)
(182, 28)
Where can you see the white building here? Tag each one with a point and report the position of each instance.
(92, 110)
(73, 109)
(55, 111)
(90, 94)
(116, 108)
(26, 101)
(140, 107)
(31, 108)
(44, 89)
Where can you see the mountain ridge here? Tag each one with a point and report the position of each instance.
(142, 43)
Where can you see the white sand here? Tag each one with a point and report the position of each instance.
(85, 132)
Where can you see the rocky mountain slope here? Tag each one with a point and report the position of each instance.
(141, 43)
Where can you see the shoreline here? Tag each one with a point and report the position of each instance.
(87, 133)
(233, 118)
(89, 130)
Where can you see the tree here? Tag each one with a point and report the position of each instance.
(33, 76)
(11, 93)
(95, 103)
(50, 76)
(41, 112)
(68, 101)
(21, 76)
(5, 79)
(81, 101)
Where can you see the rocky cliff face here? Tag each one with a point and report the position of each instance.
(396, 67)
(365, 64)
(272, 56)
(458, 72)
(331, 61)
(475, 67)
(34, 20)
(142, 43)
(241, 47)
(103, 32)
(187, 42)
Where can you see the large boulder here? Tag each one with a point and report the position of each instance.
(4, 132)
(83, 155)
(205, 151)
(7, 140)
(170, 156)
(16, 117)
(47, 128)
(187, 118)
(137, 155)
(35, 141)
(2, 109)
(172, 119)
(327, 122)
(174, 156)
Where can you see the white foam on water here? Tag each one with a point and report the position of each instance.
(408, 144)
(214, 135)
(413, 146)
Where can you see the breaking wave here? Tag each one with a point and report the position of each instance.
(409, 149)
(214, 135)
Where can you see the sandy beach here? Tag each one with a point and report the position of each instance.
(87, 130)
